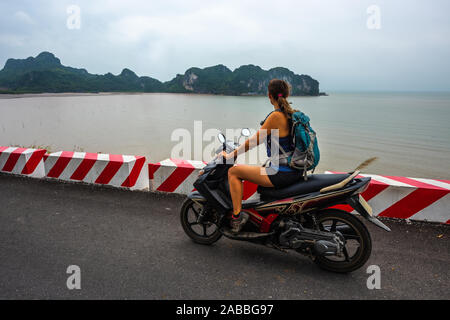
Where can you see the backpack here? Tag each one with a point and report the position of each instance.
(306, 154)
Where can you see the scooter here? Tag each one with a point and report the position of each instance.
(298, 218)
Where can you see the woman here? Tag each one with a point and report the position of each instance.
(271, 176)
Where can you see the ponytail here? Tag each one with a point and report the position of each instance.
(285, 106)
(279, 90)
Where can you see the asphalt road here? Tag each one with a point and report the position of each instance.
(130, 245)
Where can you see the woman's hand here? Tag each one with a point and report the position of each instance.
(227, 156)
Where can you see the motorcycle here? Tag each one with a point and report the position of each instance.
(298, 218)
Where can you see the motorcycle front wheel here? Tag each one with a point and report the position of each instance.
(202, 232)
(358, 243)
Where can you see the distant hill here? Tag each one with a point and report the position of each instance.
(45, 73)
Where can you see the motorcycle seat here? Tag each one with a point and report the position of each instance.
(314, 183)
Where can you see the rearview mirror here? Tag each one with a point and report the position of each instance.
(245, 132)
(221, 138)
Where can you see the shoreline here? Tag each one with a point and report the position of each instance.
(112, 93)
(87, 94)
(62, 94)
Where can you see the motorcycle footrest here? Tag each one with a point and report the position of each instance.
(244, 235)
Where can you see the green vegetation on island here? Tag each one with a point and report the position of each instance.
(45, 73)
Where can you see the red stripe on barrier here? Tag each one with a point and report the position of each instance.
(373, 190)
(415, 183)
(448, 222)
(152, 167)
(12, 160)
(134, 174)
(3, 149)
(114, 164)
(60, 164)
(413, 203)
(84, 167)
(249, 189)
(33, 162)
(183, 170)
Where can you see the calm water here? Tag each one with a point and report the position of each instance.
(409, 132)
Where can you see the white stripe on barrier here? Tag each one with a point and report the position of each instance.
(409, 198)
(387, 180)
(436, 183)
(23, 161)
(115, 170)
(388, 197)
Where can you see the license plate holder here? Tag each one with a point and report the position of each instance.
(365, 205)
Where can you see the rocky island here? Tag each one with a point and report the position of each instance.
(45, 73)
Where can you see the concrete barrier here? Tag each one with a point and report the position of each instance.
(407, 198)
(177, 176)
(105, 169)
(394, 197)
(174, 175)
(23, 161)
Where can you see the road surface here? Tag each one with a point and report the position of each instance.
(130, 245)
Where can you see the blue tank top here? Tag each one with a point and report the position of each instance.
(285, 143)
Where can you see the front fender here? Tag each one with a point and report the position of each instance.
(196, 196)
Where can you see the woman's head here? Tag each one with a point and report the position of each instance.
(278, 88)
(278, 93)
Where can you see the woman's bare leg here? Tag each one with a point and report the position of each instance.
(238, 173)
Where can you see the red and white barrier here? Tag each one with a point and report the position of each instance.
(24, 161)
(105, 169)
(395, 197)
(408, 198)
(178, 176)
(174, 175)
(389, 196)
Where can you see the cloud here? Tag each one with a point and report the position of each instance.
(220, 24)
(23, 17)
(11, 40)
(324, 38)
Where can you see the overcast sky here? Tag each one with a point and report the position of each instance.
(327, 39)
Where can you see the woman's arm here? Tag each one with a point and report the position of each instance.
(272, 122)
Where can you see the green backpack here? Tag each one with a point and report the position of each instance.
(306, 154)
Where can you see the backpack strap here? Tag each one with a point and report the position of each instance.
(285, 155)
(304, 126)
(282, 159)
(262, 122)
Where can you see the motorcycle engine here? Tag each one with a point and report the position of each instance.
(322, 243)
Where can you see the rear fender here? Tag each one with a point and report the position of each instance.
(363, 208)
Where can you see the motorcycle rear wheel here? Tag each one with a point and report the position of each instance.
(197, 231)
(356, 232)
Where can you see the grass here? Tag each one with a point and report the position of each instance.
(46, 147)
